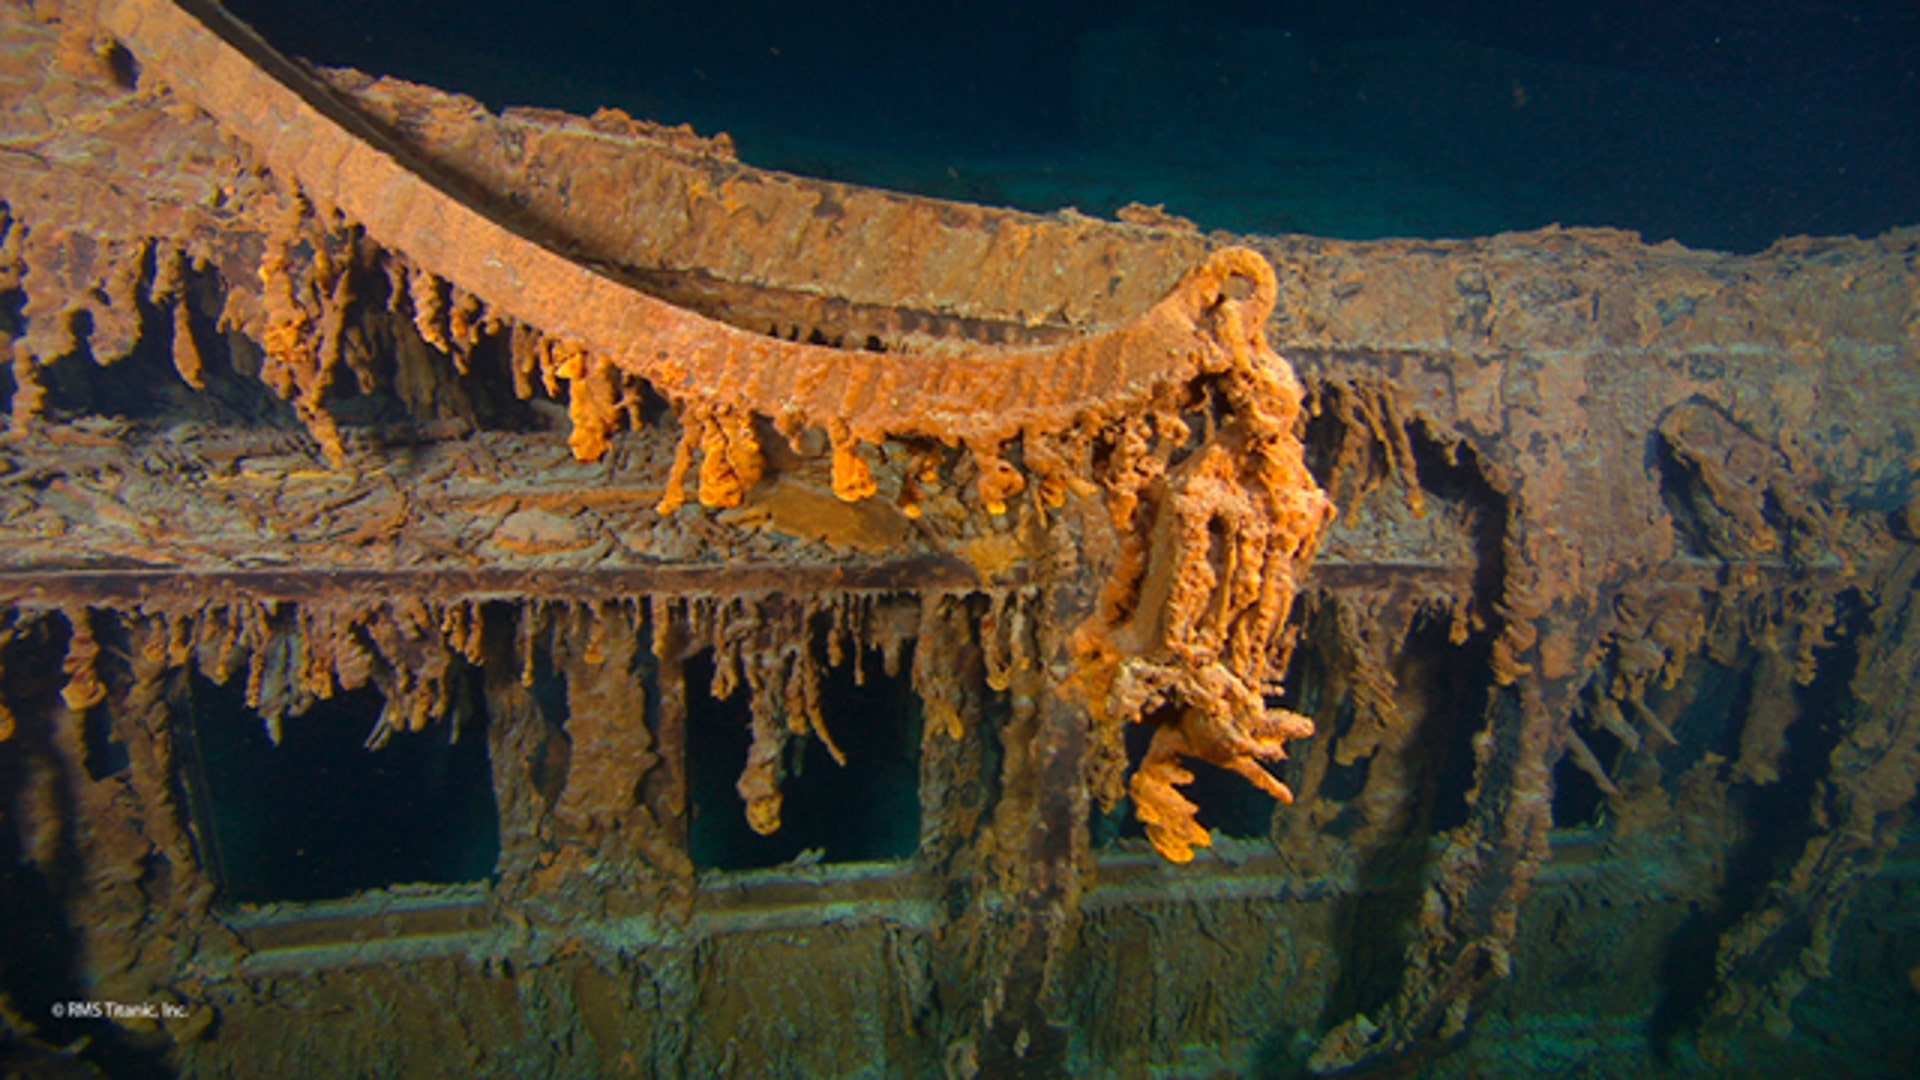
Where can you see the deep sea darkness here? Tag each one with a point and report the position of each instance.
(1722, 123)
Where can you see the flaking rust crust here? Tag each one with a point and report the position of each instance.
(321, 384)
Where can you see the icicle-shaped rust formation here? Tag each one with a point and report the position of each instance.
(779, 650)
(1189, 627)
(1213, 550)
(294, 655)
(414, 434)
(1218, 525)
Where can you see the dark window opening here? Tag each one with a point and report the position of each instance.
(105, 755)
(1457, 695)
(7, 383)
(866, 811)
(551, 757)
(1577, 798)
(321, 817)
(123, 386)
(1229, 803)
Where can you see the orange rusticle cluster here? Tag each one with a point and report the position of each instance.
(1213, 545)
(1113, 390)
(779, 649)
(1191, 620)
(1189, 635)
(295, 655)
(1215, 537)
(1240, 745)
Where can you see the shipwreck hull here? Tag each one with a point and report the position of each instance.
(339, 401)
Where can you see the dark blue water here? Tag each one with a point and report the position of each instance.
(1722, 123)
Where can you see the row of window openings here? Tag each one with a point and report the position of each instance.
(320, 817)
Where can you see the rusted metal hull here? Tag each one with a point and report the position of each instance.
(326, 383)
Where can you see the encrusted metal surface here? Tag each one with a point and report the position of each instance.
(322, 382)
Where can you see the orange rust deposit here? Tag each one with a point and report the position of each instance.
(532, 594)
